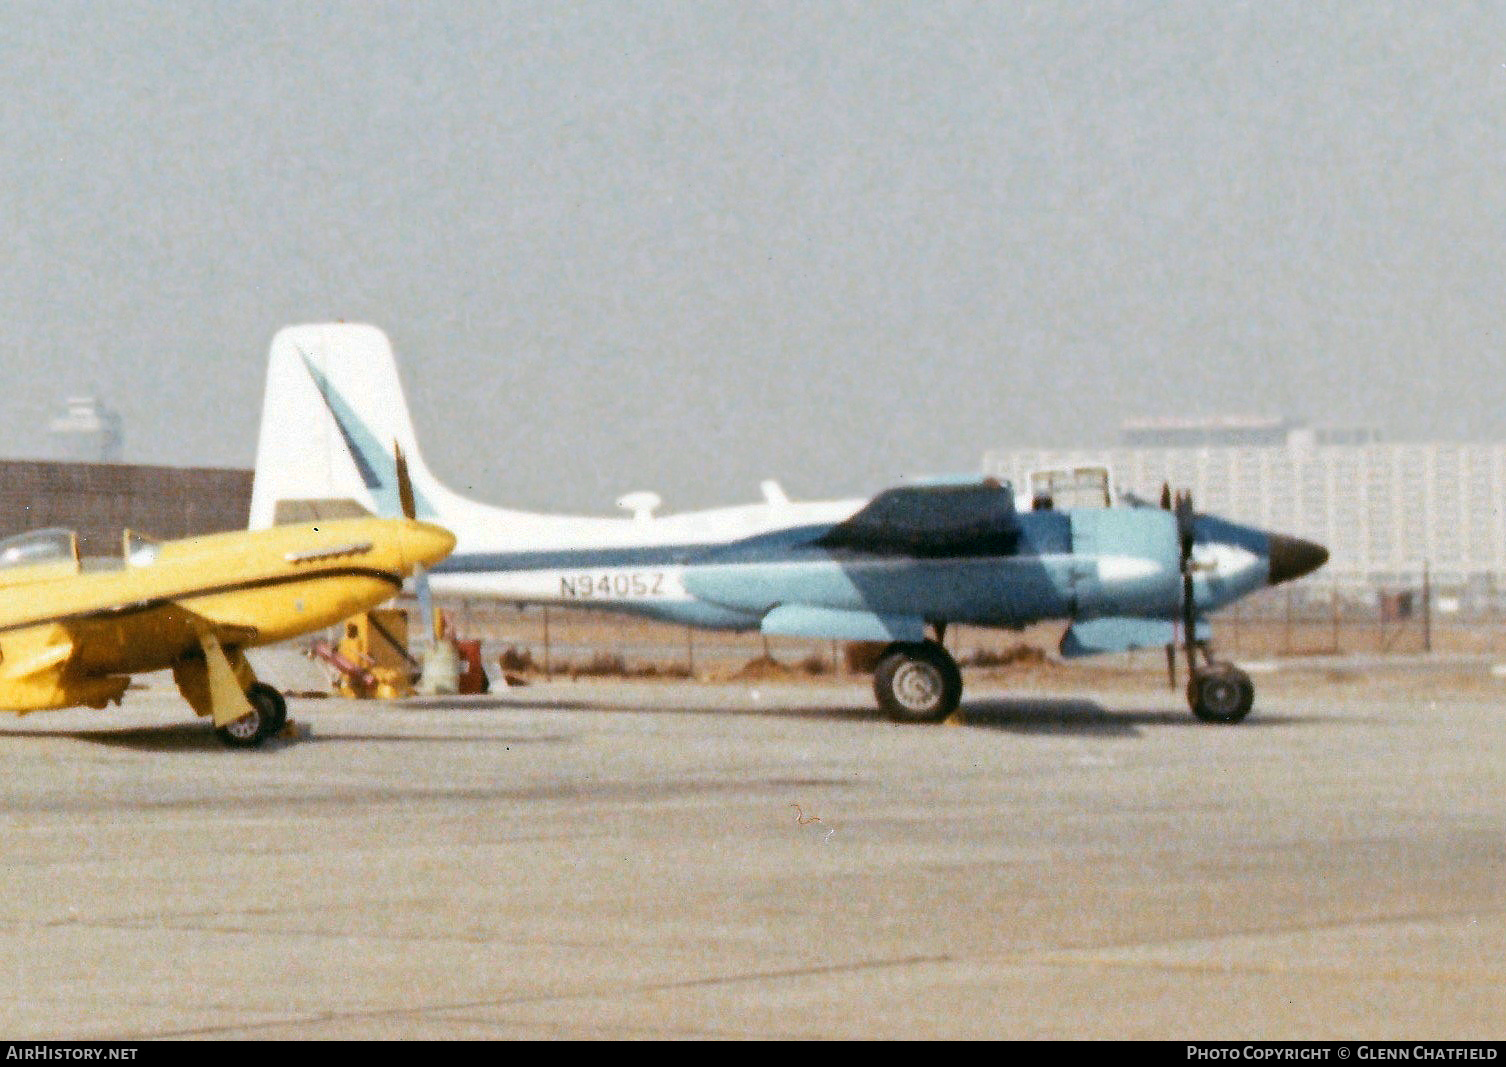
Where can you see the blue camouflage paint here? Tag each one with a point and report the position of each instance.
(1093, 637)
(376, 464)
(805, 620)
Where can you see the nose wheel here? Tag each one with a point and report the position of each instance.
(917, 681)
(1220, 692)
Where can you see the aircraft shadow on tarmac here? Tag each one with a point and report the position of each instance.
(170, 737)
(200, 737)
(1059, 715)
(1026, 715)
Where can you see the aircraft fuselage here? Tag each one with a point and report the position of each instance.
(1081, 564)
(74, 639)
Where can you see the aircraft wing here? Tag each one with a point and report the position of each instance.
(45, 651)
(170, 622)
(229, 634)
(50, 646)
(1093, 637)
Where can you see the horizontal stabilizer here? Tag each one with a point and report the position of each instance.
(1096, 636)
(805, 620)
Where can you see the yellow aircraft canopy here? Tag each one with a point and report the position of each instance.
(38, 556)
(139, 549)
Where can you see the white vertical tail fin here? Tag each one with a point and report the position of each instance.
(333, 411)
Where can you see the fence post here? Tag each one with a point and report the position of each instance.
(548, 669)
(1427, 609)
(1333, 596)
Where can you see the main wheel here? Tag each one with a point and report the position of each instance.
(1221, 693)
(917, 682)
(278, 704)
(268, 712)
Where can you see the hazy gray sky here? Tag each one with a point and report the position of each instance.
(685, 246)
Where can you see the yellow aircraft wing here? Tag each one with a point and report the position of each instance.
(38, 672)
(49, 649)
(214, 685)
(85, 659)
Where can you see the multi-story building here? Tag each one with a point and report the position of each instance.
(1385, 510)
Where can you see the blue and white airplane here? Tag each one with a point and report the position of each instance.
(896, 568)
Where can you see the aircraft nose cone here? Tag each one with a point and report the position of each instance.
(423, 543)
(1292, 557)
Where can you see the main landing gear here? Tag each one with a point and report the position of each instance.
(218, 683)
(917, 681)
(268, 715)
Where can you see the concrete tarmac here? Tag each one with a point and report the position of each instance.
(690, 861)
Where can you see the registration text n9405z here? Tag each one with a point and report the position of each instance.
(613, 584)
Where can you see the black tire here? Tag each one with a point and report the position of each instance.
(279, 706)
(1222, 693)
(268, 713)
(248, 731)
(917, 682)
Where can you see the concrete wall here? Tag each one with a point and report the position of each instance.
(99, 500)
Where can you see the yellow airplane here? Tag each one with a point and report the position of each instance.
(72, 635)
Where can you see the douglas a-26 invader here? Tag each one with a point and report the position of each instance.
(892, 569)
(71, 637)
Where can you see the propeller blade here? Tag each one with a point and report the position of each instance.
(404, 483)
(1186, 529)
(1186, 536)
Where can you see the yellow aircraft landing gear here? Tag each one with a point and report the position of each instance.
(269, 714)
(220, 683)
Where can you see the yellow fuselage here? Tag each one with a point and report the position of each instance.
(74, 638)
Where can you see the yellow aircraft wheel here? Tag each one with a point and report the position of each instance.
(268, 713)
(278, 704)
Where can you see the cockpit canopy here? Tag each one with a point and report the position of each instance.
(932, 521)
(138, 549)
(45, 555)
(38, 556)
(52, 545)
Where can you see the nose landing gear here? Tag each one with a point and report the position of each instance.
(1220, 692)
(1217, 691)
